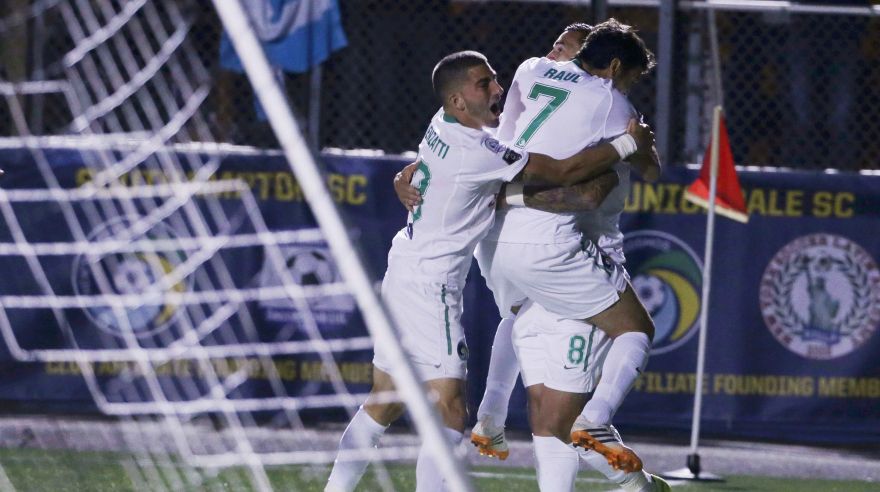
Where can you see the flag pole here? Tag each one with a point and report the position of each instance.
(693, 470)
(694, 456)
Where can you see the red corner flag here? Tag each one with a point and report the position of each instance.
(729, 200)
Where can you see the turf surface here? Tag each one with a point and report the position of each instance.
(68, 471)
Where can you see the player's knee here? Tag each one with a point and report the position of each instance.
(384, 413)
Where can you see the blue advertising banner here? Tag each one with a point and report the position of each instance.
(792, 347)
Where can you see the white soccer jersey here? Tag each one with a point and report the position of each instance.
(557, 109)
(459, 174)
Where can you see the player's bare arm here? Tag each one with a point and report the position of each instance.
(581, 197)
(407, 194)
(589, 162)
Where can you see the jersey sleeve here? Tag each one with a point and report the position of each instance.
(493, 161)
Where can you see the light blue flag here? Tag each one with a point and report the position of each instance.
(296, 34)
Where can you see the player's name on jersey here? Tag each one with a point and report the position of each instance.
(561, 75)
(433, 141)
(668, 198)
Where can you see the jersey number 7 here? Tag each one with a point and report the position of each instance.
(557, 97)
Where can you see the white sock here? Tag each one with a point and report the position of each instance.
(633, 481)
(362, 433)
(428, 476)
(503, 370)
(626, 358)
(557, 464)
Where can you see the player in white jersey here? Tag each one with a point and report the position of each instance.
(461, 169)
(572, 101)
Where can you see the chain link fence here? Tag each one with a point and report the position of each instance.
(800, 90)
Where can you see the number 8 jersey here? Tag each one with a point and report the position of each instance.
(460, 171)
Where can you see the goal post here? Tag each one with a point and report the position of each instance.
(378, 321)
(144, 268)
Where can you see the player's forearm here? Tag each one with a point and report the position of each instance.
(588, 163)
(584, 165)
(584, 196)
(647, 164)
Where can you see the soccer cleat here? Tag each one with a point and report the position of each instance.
(489, 439)
(605, 440)
(660, 485)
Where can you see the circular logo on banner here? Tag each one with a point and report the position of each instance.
(311, 267)
(820, 296)
(129, 273)
(667, 276)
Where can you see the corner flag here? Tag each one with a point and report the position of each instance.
(729, 200)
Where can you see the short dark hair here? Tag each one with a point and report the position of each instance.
(451, 70)
(610, 40)
(581, 27)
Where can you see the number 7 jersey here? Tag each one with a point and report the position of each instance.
(460, 171)
(557, 109)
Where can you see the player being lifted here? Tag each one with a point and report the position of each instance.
(534, 255)
(461, 168)
(503, 365)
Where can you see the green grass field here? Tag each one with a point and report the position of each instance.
(67, 471)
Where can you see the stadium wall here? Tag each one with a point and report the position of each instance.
(792, 348)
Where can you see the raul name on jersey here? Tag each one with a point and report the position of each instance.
(561, 75)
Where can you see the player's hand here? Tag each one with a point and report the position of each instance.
(642, 134)
(407, 194)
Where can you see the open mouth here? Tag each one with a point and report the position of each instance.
(495, 108)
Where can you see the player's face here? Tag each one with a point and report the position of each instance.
(482, 96)
(566, 46)
(625, 79)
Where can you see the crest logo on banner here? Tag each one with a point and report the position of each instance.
(667, 276)
(131, 272)
(820, 296)
(308, 265)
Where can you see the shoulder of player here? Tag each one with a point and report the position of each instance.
(621, 103)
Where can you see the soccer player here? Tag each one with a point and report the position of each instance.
(533, 255)
(461, 168)
(569, 42)
(503, 367)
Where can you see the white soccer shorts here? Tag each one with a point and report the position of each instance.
(565, 355)
(428, 317)
(575, 280)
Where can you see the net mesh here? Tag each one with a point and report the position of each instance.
(156, 271)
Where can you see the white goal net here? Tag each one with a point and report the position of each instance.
(143, 270)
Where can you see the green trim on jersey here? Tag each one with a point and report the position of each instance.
(422, 187)
(557, 97)
(449, 119)
(446, 319)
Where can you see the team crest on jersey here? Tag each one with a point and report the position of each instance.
(820, 296)
(462, 350)
(494, 145)
(667, 276)
(138, 273)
